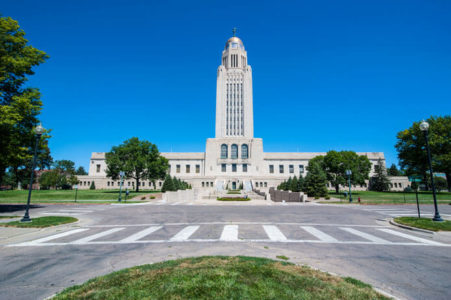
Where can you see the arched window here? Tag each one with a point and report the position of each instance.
(223, 151)
(244, 151)
(234, 151)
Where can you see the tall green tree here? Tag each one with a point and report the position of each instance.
(393, 171)
(294, 184)
(336, 163)
(20, 106)
(137, 159)
(81, 171)
(380, 182)
(168, 184)
(315, 181)
(412, 153)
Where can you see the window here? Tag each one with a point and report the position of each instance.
(266, 184)
(396, 185)
(203, 184)
(177, 167)
(301, 169)
(244, 167)
(197, 168)
(159, 183)
(108, 183)
(224, 151)
(256, 184)
(233, 167)
(98, 168)
(143, 183)
(211, 183)
(223, 167)
(188, 168)
(244, 151)
(280, 169)
(169, 170)
(234, 151)
(291, 169)
(271, 168)
(129, 183)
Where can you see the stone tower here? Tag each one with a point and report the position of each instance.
(234, 113)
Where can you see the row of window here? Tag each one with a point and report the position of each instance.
(262, 184)
(187, 168)
(234, 151)
(290, 169)
(234, 168)
(131, 183)
(207, 183)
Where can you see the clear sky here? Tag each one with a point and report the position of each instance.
(341, 75)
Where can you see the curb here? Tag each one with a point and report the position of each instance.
(392, 221)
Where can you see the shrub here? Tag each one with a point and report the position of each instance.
(93, 186)
(327, 197)
(152, 197)
(143, 198)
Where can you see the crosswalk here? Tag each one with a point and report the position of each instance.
(238, 232)
(76, 211)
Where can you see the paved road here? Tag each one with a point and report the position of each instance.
(349, 240)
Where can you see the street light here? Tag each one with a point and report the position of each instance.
(121, 174)
(424, 126)
(349, 173)
(39, 130)
(76, 190)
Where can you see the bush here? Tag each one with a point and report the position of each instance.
(408, 189)
(93, 186)
(152, 197)
(143, 198)
(327, 197)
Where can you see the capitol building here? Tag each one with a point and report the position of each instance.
(234, 157)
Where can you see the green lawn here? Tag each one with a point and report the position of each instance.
(41, 222)
(221, 278)
(424, 223)
(51, 196)
(370, 197)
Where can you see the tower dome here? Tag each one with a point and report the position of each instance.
(234, 42)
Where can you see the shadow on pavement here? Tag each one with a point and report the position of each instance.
(16, 207)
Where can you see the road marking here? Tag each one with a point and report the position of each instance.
(53, 237)
(184, 234)
(410, 237)
(365, 235)
(141, 234)
(63, 213)
(319, 234)
(97, 235)
(229, 233)
(176, 203)
(274, 233)
(238, 223)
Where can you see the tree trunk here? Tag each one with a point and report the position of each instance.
(137, 184)
(337, 188)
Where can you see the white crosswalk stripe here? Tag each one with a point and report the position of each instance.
(229, 233)
(410, 237)
(274, 233)
(319, 234)
(139, 235)
(185, 233)
(54, 237)
(364, 235)
(97, 235)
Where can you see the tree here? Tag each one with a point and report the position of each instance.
(81, 171)
(412, 153)
(93, 186)
(19, 105)
(393, 171)
(315, 181)
(336, 163)
(168, 184)
(380, 182)
(301, 182)
(65, 166)
(137, 159)
(177, 183)
(440, 183)
(294, 184)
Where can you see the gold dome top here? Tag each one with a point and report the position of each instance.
(234, 42)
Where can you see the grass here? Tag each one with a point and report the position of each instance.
(220, 277)
(56, 196)
(232, 199)
(370, 197)
(9, 217)
(41, 222)
(282, 257)
(424, 223)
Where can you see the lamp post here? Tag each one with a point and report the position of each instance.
(349, 173)
(121, 174)
(39, 130)
(76, 190)
(424, 126)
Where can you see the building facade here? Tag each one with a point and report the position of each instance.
(234, 157)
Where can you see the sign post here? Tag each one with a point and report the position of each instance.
(76, 190)
(121, 174)
(416, 179)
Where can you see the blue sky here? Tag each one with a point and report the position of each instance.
(341, 75)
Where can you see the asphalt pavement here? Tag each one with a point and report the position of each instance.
(348, 240)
